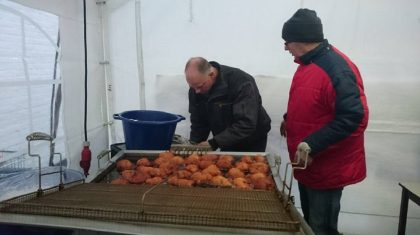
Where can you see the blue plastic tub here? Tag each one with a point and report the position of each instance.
(148, 129)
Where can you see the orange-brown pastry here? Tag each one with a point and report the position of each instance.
(241, 183)
(235, 173)
(205, 163)
(138, 178)
(154, 180)
(225, 162)
(254, 177)
(166, 155)
(127, 174)
(124, 165)
(185, 183)
(192, 159)
(259, 167)
(177, 160)
(246, 159)
(243, 166)
(260, 158)
(192, 168)
(220, 181)
(201, 178)
(264, 183)
(143, 162)
(212, 170)
(209, 157)
(183, 174)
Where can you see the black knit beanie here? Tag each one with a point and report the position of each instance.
(304, 26)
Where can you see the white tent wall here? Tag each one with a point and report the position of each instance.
(377, 35)
(72, 70)
(380, 36)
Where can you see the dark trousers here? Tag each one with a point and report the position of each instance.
(321, 208)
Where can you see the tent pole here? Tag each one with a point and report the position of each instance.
(140, 63)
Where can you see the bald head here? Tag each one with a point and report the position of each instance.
(200, 74)
(198, 63)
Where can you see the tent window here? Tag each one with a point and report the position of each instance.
(30, 81)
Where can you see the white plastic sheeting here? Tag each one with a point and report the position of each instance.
(381, 37)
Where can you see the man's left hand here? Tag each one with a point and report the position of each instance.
(204, 144)
(302, 154)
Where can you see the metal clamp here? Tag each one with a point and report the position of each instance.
(294, 166)
(102, 155)
(36, 136)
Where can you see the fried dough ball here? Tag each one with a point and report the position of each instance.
(124, 165)
(173, 180)
(235, 173)
(265, 183)
(145, 170)
(209, 157)
(177, 160)
(260, 158)
(259, 167)
(120, 181)
(143, 162)
(167, 168)
(185, 183)
(201, 178)
(224, 163)
(155, 172)
(243, 166)
(192, 159)
(160, 160)
(183, 174)
(166, 155)
(154, 180)
(246, 159)
(139, 178)
(205, 163)
(254, 177)
(220, 181)
(241, 183)
(127, 174)
(212, 170)
(192, 168)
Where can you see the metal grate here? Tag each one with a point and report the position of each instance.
(223, 207)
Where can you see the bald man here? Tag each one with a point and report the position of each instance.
(226, 102)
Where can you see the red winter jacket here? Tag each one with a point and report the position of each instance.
(328, 110)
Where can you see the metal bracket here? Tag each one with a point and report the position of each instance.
(100, 2)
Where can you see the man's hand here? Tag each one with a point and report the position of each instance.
(283, 128)
(302, 154)
(204, 144)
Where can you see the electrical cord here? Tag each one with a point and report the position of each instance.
(85, 44)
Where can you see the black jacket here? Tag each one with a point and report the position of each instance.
(232, 111)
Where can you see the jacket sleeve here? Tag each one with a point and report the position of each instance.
(349, 113)
(245, 109)
(200, 128)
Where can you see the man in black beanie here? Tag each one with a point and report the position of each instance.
(326, 117)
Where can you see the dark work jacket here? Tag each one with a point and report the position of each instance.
(231, 111)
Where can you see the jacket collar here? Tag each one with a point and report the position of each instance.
(220, 86)
(310, 56)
